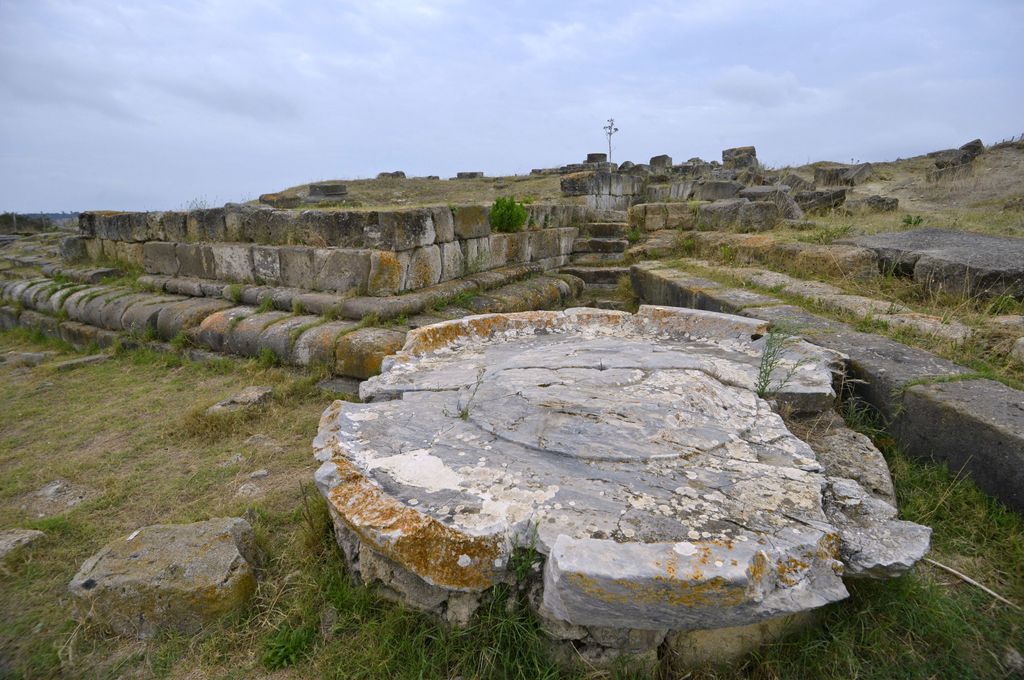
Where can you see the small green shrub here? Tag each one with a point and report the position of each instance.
(634, 235)
(912, 220)
(508, 216)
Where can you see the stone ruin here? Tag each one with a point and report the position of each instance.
(658, 501)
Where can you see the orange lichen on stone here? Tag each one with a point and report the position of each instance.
(422, 544)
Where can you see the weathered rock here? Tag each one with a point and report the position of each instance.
(1017, 351)
(874, 543)
(877, 204)
(843, 175)
(168, 577)
(249, 397)
(797, 183)
(716, 189)
(72, 364)
(359, 354)
(652, 481)
(950, 261)
(820, 200)
(12, 540)
(739, 157)
(327, 190)
(660, 163)
(54, 498)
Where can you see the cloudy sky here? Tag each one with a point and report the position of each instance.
(151, 105)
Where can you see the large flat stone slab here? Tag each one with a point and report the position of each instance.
(632, 451)
(957, 262)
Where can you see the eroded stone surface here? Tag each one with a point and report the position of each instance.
(631, 451)
(168, 577)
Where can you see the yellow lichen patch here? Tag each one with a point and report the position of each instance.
(788, 570)
(439, 336)
(418, 542)
(695, 593)
(217, 323)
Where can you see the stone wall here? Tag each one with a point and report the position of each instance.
(364, 252)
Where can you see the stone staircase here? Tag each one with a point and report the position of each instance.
(603, 240)
(599, 259)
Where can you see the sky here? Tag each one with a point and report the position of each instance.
(141, 105)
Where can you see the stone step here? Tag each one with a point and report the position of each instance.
(386, 307)
(606, 229)
(597, 275)
(600, 245)
(105, 314)
(608, 215)
(598, 259)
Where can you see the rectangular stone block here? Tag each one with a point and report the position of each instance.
(232, 262)
(195, 259)
(93, 248)
(205, 225)
(498, 250)
(403, 230)
(129, 253)
(340, 270)
(297, 268)
(387, 272)
(444, 224)
(173, 227)
(266, 264)
(544, 244)
(424, 268)
(972, 425)
(452, 262)
(471, 221)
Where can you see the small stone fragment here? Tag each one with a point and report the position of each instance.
(12, 540)
(250, 397)
(72, 364)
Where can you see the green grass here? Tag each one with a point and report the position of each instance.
(137, 443)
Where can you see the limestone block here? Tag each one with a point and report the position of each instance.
(93, 248)
(186, 314)
(387, 272)
(316, 346)
(406, 229)
(424, 268)
(168, 577)
(232, 262)
(359, 354)
(717, 189)
(206, 224)
(498, 250)
(196, 260)
(159, 257)
(340, 270)
(266, 265)
(476, 253)
(243, 337)
(452, 264)
(471, 221)
(444, 224)
(279, 334)
(297, 267)
(72, 249)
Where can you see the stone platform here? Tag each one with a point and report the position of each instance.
(632, 452)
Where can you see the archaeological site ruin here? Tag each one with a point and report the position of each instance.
(652, 407)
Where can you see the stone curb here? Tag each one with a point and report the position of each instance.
(936, 409)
